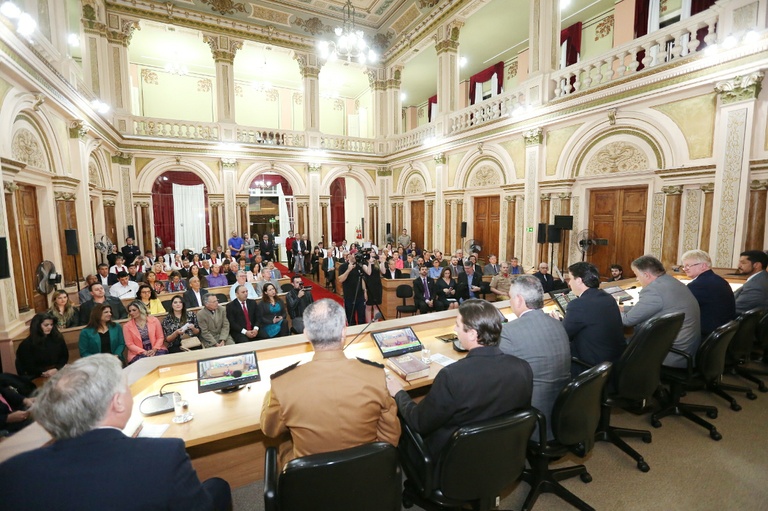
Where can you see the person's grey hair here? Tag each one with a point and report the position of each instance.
(139, 305)
(324, 322)
(648, 263)
(241, 272)
(529, 287)
(194, 279)
(209, 297)
(77, 397)
(697, 256)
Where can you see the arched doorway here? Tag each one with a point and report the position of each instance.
(164, 207)
(265, 212)
(338, 217)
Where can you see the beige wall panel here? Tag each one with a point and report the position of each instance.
(141, 163)
(597, 36)
(696, 119)
(556, 140)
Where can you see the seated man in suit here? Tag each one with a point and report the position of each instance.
(470, 283)
(85, 294)
(332, 402)
(716, 301)
(593, 322)
(213, 323)
(195, 295)
(98, 295)
(514, 267)
(265, 277)
(93, 460)
(664, 294)
(547, 281)
(424, 292)
(541, 341)
(754, 293)
(492, 268)
(485, 384)
(390, 272)
(243, 316)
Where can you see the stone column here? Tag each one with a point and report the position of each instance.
(447, 48)
(216, 205)
(543, 218)
(533, 164)
(309, 65)
(393, 102)
(671, 233)
(378, 83)
(223, 49)
(123, 169)
(706, 221)
(146, 227)
(313, 206)
(119, 33)
(228, 167)
(735, 126)
(438, 211)
(244, 223)
(544, 48)
(93, 44)
(459, 220)
(447, 227)
(509, 249)
(429, 223)
(756, 215)
(325, 220)
(11, 325)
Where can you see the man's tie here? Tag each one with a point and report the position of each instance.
(247, 319)
(426, 290)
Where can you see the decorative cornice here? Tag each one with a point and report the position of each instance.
(672, 190)
(122, 158)
(314, 167)
(64, 196)
(557, 183)
(223, 48)
(740, 88)
(78, 128)
(756, 185)
(533, 136)
(229, 163)
(440, 158)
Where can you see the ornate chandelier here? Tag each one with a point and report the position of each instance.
(350, 43)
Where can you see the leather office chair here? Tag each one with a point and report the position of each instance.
(167, 305)
(405, 291)
(740, 351)
(364, 477)
(575, 417)
(710, 362)
(635, 377)
(222, 298)
(286, 288)
(478, 462)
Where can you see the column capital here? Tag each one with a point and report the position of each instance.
(546, 196)
(758, 185)
(228, 163)
(708, 188)
(64, 196)
(430, 202)
(314, 168)
(384, 172)
(223, 48)
(447, 37)
(120, 29)
(78, 128)
(511, 198)
(309, 64)
(122, 158)
(10, 186)
(564, 196)
(533, 136)
(740, 88)
(672, 190)
(440, 158)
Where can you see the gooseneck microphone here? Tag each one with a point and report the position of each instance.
(160, 403)
(376, 317)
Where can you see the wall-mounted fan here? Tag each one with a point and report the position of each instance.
(103, 244)
(47, 278)
(586, 241)
(472, 245)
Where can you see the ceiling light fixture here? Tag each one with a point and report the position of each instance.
(262, 184)
(26, 25)
(100, 106)
(462, 61)
(73, 40)
(10, 10)
(350, 42)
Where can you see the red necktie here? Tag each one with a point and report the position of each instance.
(247, 319)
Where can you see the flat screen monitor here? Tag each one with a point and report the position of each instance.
(397, 341)
(227, 373)
(562, 298)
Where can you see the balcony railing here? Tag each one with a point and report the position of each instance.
(349, 144)
(175, 129)
(671, 43)
(415, 137)
(486, 111)
(271, 137)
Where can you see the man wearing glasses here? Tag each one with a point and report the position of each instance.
(716, 301)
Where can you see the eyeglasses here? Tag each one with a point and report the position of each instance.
(688, 266)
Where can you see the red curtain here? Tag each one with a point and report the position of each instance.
(431, 101)
(642, 12)
(572, 35)
(162, 206)
(698, 6)
(338, 213)
(484, 76)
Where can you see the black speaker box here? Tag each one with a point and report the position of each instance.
(5, 268)
(463, 229)
(131, 232)
(564, 222)
(542, 234)
(70, 235)
(389, 228)
(553, 234)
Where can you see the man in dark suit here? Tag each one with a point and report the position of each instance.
(98, 295)
(391, 272)
(195, 295)
(267, 247)
(541, 341)
(470, 283)
(547, 281)
(93, 459)
(485, 384)
(130, 251)
(593, 322)
(716, 301)
(243, 316)
(424, 292)
(754, 293)
(106, 278)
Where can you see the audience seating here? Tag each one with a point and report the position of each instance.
(710, 362)
(366, 477)
(575, 417)
(740, 351)
(405, 291)
(635, 377)
(478, 462)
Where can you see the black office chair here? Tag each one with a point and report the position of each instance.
(478, 462)
(575, 417)
(405, 291)
(710, 362)
(167, 305)
(635, 377)
(364, 477)
(286, 288)
(740, 351)
(222, 298)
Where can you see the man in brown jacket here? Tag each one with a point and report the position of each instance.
(332, 402)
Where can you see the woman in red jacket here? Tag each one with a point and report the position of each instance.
(143, 333)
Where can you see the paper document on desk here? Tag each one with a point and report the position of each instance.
(152, 430)
(442, 359)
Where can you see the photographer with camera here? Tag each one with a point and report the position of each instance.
(298, 299)
(351, 276)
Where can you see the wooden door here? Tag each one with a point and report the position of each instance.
(487, 224)
(417, 223)
(619, 216)
(17, 262)
(29, 237)
(67, 217)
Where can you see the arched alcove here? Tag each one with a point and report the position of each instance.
(164, 203)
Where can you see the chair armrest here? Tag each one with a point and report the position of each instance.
(270, 480)
(425, 468)
(542, 421)
(580, 362)
(687, 357)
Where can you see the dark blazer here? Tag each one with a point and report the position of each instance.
(753, 294)
(593, 323)
(236, 319)
(547, 281)
(130, 252)
(460, 396)
(190, 300)
(32, 360)
(388, 274)
(716, 301)
(266, 316)
(118, 310)
(418, 294)
(99, 470)
(267, 250)
(462, 285)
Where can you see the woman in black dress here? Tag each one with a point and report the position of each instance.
(44, 352)
(446, 291)
(373, 287)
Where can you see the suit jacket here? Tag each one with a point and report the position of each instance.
(491, 269)
(541, 341)
(214, 327)
(460, 396)
(547, 281)
(388, 274)
(667, 295)
(267, 250)
(93, 472)
(190, 300)
(236, 319)
(418, 292)
(593, 323)
(716, 301)
(133, 338)
(118, 310)
(753, 294)
(130, 252)
(463, 283)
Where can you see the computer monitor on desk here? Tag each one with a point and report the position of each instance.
(228, 373)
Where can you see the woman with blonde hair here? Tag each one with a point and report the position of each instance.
(63, 311)
(143, 334)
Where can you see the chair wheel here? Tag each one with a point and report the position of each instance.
(735, 407)
(712, 414)
(643, 466)
(656, 423)
(751, 395)
(647, 438)
(586, 477)
(715, 435)
(762, 388)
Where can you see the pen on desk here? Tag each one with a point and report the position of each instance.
(138, 430)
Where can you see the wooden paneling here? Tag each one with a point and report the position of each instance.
(618, 215)
(29, 237)
(447, 229)
(417, 222)
(17, 262)
(67, 219)
(487, 223)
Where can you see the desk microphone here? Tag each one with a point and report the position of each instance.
(376, 317)
(160, 403)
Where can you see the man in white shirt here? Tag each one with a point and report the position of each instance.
(194, 296)
(242, 281)
(125, 288)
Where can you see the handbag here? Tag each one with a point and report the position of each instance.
(191, 343)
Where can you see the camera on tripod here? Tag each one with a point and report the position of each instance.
(363, 256)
